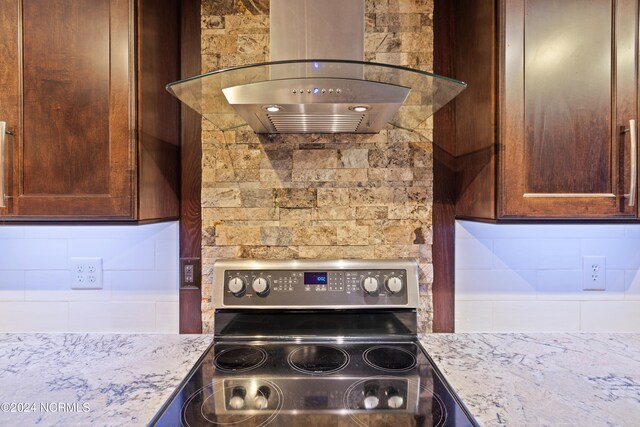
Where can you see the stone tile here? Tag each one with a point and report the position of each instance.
(320, 252)
(398, 156)
(218, 7)
(390, 57)
(370, 196)
(358, 252)
(333, 197)
(417, 42)
(382, 42)
(390, 174)
(208, 235)
(376, 6)
(276, 236)
(404, 138)
(253, 44)
(257, 197)
(275, 177)
(248, 24)
(398, 235)
(237, 175)
(400, 251)
(423, 174)
(422, 154)
(244, 214)
(245, 159)
(313, 175)
(353, 236)
(372, 212)
(211, 138)
(413, 195)
(296, 216)
(211, 253)
(219, 44)
(354, 158)
(352, 175)
(332, 213)
(315, 159)
(208, 165)
(418, 212)
(296, 197)
(277, 159)
(315, 235)
(221, 197)
(269, 252)
(209, 22)
(240, 58)
(238, 235)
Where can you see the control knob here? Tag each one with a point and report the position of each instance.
(370, 285)
(261, 401)
(261, 286)
(237, 286)
(394, 400)
(371, 399)
(394, 284)
(237, 398)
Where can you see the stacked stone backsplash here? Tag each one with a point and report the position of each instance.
(317, 196)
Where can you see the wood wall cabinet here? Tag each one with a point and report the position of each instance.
(95, 134)
(541, 130)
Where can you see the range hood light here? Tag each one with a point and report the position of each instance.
(359, 108)
(272, 108)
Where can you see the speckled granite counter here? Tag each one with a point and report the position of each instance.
(91, 380)
(543, 379)
(504, 379)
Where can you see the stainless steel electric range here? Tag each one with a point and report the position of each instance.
(315, 343)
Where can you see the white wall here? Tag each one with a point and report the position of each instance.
(140, 278)
(529, 277)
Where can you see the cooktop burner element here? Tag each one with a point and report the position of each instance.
(390, 359)
(318, 359)
(314, 343)
(240, 359)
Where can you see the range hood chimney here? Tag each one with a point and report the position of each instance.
(317, 81)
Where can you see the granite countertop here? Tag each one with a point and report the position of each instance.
(504, 379)
(550, 379)
(91, 379)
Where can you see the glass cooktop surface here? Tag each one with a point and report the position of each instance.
(285, 383)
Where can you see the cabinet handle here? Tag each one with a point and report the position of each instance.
(634, 162)
(3, 130)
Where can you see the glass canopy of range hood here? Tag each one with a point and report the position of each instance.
(317, 96)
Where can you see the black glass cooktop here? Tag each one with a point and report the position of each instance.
(310, 383)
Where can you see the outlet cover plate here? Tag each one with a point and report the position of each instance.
(594, 273)
(86, 273)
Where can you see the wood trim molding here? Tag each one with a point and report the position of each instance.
(443, 177)
(191, 168)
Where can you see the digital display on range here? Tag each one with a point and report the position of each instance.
(315, 278)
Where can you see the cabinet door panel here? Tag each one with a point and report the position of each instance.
(563, 152)
(568, 96)
(66, 98)
(75, 153)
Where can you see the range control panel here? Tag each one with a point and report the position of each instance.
(321, 284)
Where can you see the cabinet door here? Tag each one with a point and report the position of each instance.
(66, 80)
(569, 83)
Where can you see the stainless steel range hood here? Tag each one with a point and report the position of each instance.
(318, 81)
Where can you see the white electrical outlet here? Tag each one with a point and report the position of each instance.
(86, 273)
(594, 273)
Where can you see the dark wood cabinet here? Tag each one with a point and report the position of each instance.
(94, 133)
(541, 130)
